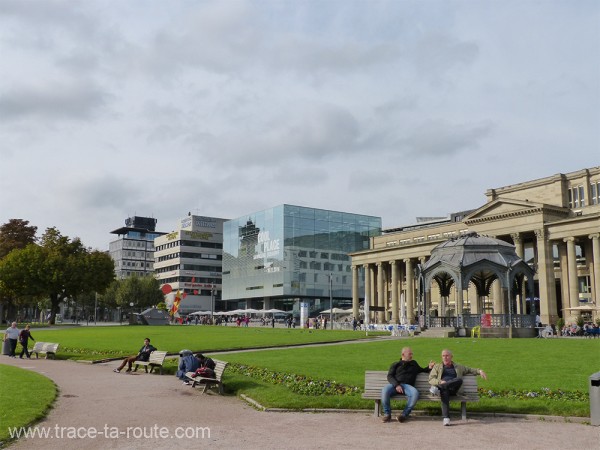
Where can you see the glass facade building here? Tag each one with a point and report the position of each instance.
(273, 258)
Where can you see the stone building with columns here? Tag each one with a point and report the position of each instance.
(553, 223)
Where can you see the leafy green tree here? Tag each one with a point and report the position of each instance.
(57, 268)
(15, 234)
(141, 291)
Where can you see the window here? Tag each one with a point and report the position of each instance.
(595, 193)
(576, 197)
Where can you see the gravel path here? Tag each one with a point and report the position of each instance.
(131, 411)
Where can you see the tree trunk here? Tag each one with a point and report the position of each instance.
(55, 300)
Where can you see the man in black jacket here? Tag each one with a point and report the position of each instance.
(402, 376)
(143, 355)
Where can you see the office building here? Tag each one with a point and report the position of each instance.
(133, 251)
(280, 256)
(190, 261)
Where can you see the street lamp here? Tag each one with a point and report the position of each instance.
(331, 301)
(212, 303)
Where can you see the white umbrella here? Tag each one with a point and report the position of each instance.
(584, 308)
(272, 311)
(251, 311)
(336, 311)
(200, 313)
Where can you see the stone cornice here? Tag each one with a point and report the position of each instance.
(518, 213)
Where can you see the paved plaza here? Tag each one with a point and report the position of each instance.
(110, 410)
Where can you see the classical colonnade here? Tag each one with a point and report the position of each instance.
(388, 277)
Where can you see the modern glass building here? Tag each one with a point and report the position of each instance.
(276, 257)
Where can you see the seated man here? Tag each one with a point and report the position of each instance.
(445, 379)
(187, 363)
(401, 377)
(143, 355)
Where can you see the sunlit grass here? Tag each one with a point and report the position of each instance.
(95, 343)
(25, 397)
(521, 364)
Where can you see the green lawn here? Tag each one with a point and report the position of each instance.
(25, 397)
(105, 342)
(559, 366)
(548, 376)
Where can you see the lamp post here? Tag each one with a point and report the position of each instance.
(212, 303)
(331, 301)
(131, 313)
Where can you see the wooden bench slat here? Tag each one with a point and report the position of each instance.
(376, 380)
(157, 359)
(49, 348)
(210, 382)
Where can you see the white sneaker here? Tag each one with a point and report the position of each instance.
(186, 383)
(446, 421)
(434, 390)
(116, 370)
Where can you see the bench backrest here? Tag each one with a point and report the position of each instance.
(157, 357)
(219, 368)
(375, 380)
(45, 347)
(38, 347)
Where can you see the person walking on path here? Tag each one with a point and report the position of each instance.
(12, 335)
(24, 337)
(445, 379)
(143, 355)
(402, 377)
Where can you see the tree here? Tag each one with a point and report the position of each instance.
(15, 234)
(141, 291)
(57, 268)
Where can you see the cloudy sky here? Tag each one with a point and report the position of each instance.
(397, 109)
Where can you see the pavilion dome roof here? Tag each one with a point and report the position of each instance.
(472, 249)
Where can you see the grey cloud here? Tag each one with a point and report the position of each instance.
(48, 20)
(315, 133)
(108, 192)
(389, 108)
(435, 54)
(438, 138)
(52, 100)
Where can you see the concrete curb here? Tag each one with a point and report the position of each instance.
(416, 413)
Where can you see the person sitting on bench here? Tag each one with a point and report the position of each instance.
(143, 355)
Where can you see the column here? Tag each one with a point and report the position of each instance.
(426, 299)
(573, 285)
(596, 268)
(459, 297)
(497, 293)
(395, 318)
(380, 294)
(476, 305)
(564, 273)
(355, 296)
(410, 292)
(367, 306)
(545, 266)
(521, 304)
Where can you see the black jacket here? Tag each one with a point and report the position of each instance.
(144, 354)
(405, 372)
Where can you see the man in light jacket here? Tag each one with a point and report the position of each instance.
(445, 379)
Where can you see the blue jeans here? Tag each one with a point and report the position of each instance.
(412, 395)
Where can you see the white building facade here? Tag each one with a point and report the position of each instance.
(190, 261)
